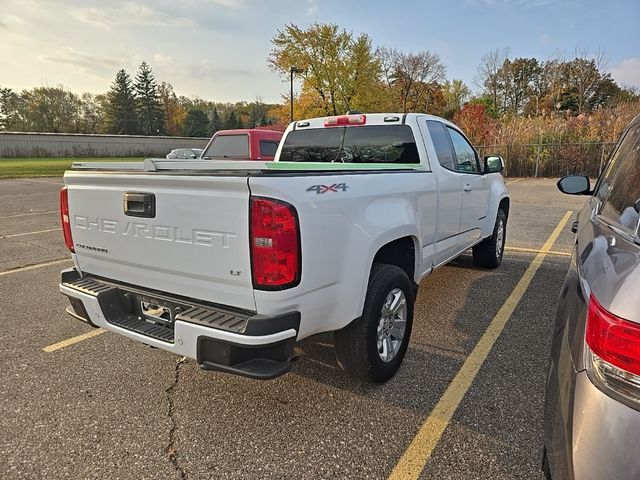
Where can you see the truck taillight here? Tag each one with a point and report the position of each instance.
(275, 244)
(64, 218)
(344, 120)
(614, 352)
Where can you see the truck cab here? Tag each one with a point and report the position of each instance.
(243, 144)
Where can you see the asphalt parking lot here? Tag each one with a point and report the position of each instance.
(108, 407)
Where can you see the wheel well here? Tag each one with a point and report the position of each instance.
(400, 252)
(504, 206)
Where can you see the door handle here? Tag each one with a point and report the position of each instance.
(139, 204)
(467, 188)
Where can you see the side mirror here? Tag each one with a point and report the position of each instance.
(493, 164)
(193, 155)
(575, 185)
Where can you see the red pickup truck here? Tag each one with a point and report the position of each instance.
(244, 144)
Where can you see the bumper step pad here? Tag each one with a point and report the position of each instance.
(257, 368)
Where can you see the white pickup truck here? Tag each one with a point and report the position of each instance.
(231, 263)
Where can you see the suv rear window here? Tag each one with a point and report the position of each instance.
(229, 146)
(366, 144)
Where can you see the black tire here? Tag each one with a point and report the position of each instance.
(486, 253)
(356, 344)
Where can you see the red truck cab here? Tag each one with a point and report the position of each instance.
(243, 144)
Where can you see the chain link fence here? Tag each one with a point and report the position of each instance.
(551, 159)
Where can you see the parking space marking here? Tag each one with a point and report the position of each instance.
(533, 250)
(30, 233)
(18, 215)
(420, 449)
(34, 266)
(33, 180)
(73, 340)
(513, 181)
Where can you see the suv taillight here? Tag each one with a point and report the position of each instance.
(613, 361)
(64, 218)
(275, 244)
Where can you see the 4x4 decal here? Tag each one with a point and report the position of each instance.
(328, 188)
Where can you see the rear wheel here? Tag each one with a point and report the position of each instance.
(488, 253)
(372, 347)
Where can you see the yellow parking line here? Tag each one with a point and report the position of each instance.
(31, 233)
(533, 250)
(513, 181)
(33, 267)
(73, 340)
(421, 447)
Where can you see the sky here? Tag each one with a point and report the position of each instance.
(217, 49)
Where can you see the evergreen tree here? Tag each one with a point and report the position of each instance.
(120, 106)
(231, 121)
(150, 114)
(196, 124)
(216, 121)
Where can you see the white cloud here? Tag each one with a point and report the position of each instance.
(129, 14)
(312, 7)
(627, 72)
(98, 17)
(229, 3)
(95, 65)
(545, 39)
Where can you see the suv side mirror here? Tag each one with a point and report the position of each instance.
(493, 164)
(575, 185)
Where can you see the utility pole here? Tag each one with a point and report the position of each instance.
(293, 70)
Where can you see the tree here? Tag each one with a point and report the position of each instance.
(232, 122)
(173, 112)
(91, 113)
(11, 111)
(51, 109)
(455, 94)
(196, 124)
(413, 77)
(120, 109)
(581, 78)
(488, 78)
(216, 121)
(338, 67)
(519, 80)
(475, 122)
(150, 114)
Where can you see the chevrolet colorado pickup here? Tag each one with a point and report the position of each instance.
(232, 262)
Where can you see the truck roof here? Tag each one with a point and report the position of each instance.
(262, 133)
(370, 119)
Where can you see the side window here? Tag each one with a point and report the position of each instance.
(620, 186)
(442, 144)
(465, 154)
(268, 148)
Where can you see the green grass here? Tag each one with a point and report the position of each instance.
(48, 167)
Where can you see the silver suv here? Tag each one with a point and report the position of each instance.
(592, 408)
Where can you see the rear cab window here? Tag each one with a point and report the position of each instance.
(393, 144)
(228, 146)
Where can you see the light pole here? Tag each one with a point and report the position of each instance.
(293, 70)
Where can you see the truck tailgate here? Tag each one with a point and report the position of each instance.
(195, 244)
